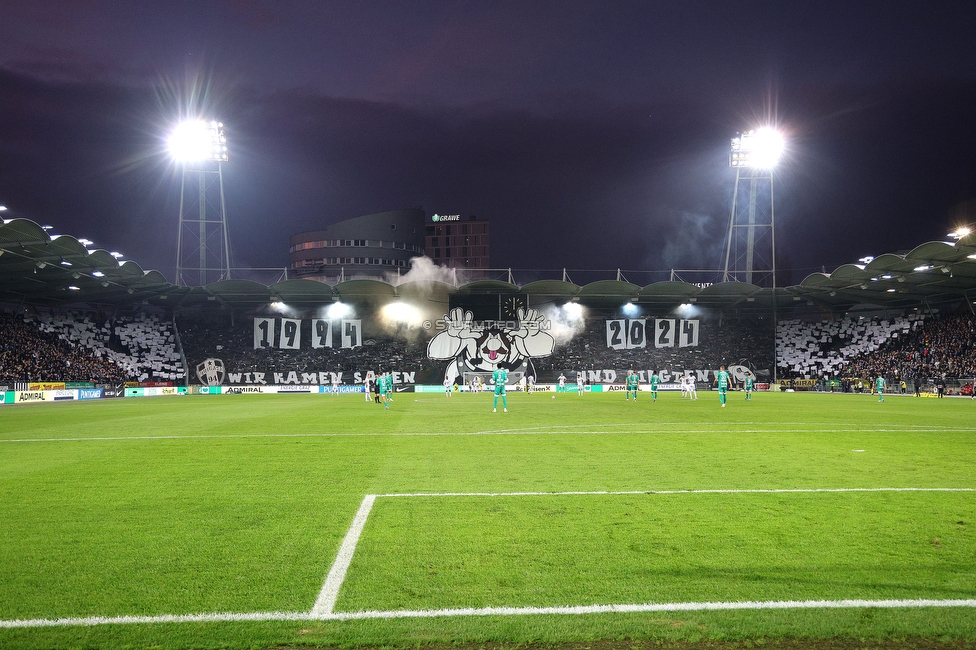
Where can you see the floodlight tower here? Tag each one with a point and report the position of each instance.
(202, 243)
(752, 234)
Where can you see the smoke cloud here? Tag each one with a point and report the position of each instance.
(566, 322)
(423, 269)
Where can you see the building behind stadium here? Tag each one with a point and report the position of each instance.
(370, 246)
(381, 245)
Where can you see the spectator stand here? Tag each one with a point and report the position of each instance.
(141, 347)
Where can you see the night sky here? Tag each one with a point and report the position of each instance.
(592, 134)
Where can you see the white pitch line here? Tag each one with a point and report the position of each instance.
(653, 607)
(669, 492)
(337, 574)
(487, 611)
(534, 431)
(90, 621)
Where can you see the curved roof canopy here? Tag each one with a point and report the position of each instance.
(40, 270)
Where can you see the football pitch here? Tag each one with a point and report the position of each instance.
(266, 520)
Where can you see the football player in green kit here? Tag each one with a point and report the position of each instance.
(382, 383)
(654, 382)
(880, 384)
(500, 377)
(722, 381)
(633, 380)
(749, 385)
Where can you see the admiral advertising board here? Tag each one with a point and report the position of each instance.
(24, 396)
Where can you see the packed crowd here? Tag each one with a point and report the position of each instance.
(941, 348)
(749, 342)
(28, 354)
(810, 350)
(67, 346)
(138, 347)
(215, 337)
(746, 342)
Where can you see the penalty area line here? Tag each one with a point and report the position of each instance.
(337, 574)
(489, 611)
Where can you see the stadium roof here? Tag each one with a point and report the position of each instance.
(38, 269)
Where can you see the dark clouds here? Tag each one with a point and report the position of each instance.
(593, 135)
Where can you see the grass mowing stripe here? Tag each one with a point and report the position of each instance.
(488, 611)
(248, 520)
(749, 546)
(325, 603)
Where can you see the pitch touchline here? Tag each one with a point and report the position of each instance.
(484, 611)
(669, 492)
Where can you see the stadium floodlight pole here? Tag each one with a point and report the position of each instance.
(754, 154)
(200, 147)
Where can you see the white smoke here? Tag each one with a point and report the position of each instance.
(423, 269)
(691, 242)
(566, 321)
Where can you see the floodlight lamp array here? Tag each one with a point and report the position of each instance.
(756, 149)
(199, 141)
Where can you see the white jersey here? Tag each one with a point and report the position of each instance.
(562, 381)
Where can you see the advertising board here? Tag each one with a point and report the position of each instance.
(155, 391)
(24, 396)
(45, 385)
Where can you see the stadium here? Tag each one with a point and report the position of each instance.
(455, 325)
(208, 466)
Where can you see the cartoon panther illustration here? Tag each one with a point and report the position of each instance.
(740, 372)
(473, 347)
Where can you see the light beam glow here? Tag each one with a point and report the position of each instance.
(198, 141)
(338, 310)
(757, 149)
(400, 313)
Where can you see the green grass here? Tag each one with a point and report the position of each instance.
(202, 504)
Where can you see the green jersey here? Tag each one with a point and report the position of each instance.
(880, 384)
(749, 383)
(722, 377)
(500, 377)
(654, 381)
(632, 382)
